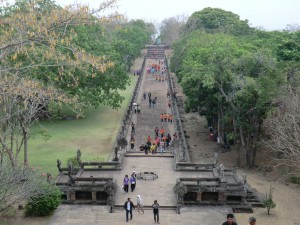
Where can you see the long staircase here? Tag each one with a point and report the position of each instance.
(164, 165)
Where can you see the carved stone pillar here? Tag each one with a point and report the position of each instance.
(222, 197)
(199, 194)
(72, 196)
(94, 198)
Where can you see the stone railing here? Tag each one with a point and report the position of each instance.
(127, 118)
(181, 153)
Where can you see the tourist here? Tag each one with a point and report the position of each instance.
(132, 143)
(230, 220)
(155, 207)
(162, 146)
(132, 127)
(128, 207)
(139, 204)
(162, 117)
(153, 148)
(149, 95)
(132, 182)
(166, 115)
(153, 102)
(126, 183)
(162, 132)
(133, 174)
(144, 95)
(169, 104)
(156, 132)
(139, 108)
(252, 220)
(134, 105)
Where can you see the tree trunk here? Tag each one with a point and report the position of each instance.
(25, 136)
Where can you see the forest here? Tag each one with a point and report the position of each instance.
(244, 80)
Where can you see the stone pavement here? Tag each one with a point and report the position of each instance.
(91, 214)
(160, 189)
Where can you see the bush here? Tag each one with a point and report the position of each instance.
(44, 204)
(294, 179)
(73, 161)
(9, 212)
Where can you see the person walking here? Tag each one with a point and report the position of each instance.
(230, 220)
(128, 207)
(126, 183)
(132, 127)
(132, 182)
(155, 207)
(132, 143)
(139, 204)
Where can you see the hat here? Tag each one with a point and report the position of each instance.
(252, 219)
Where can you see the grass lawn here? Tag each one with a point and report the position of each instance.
(94, 136)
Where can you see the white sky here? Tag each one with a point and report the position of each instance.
(269, 14)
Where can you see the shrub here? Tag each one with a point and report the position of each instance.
(294, 179)
(269, 203)
(73, 161)
(44, 204)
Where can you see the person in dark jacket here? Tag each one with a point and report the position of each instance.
(128, 207)
(155, 207)
(230, 220)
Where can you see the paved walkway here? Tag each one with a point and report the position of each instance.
(160, 189)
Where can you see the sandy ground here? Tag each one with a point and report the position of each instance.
(286, 196)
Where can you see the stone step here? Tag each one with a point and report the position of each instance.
(242, 209)
(149, 207)
(142, 154)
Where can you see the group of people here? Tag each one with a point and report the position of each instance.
(152, 99)
(231, 220)
(129, 206)
(131, 181)
(137, 107)
(166, 117)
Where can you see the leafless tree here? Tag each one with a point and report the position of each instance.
(282, 128)
(18, 183)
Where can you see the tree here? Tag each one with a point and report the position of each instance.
(281, 128)
(38, 40)
(170, 29)
(18, 184)
(229, 80)
(213, 20)
(23, 103)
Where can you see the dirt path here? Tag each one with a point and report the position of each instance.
(286, 197)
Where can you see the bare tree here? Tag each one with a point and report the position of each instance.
(18, 183)
(170, 29)
(282, 128)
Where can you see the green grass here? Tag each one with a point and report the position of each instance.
(94, 136)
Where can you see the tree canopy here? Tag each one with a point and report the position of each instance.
(231, 73)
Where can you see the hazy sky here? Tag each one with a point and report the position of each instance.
(270, 14)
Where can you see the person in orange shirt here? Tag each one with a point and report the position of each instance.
(162, 117)
(165, 117)
(162, 132)
(170, 118)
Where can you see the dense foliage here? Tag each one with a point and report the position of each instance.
(44, 204)
(231, 73)
(62, 56)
